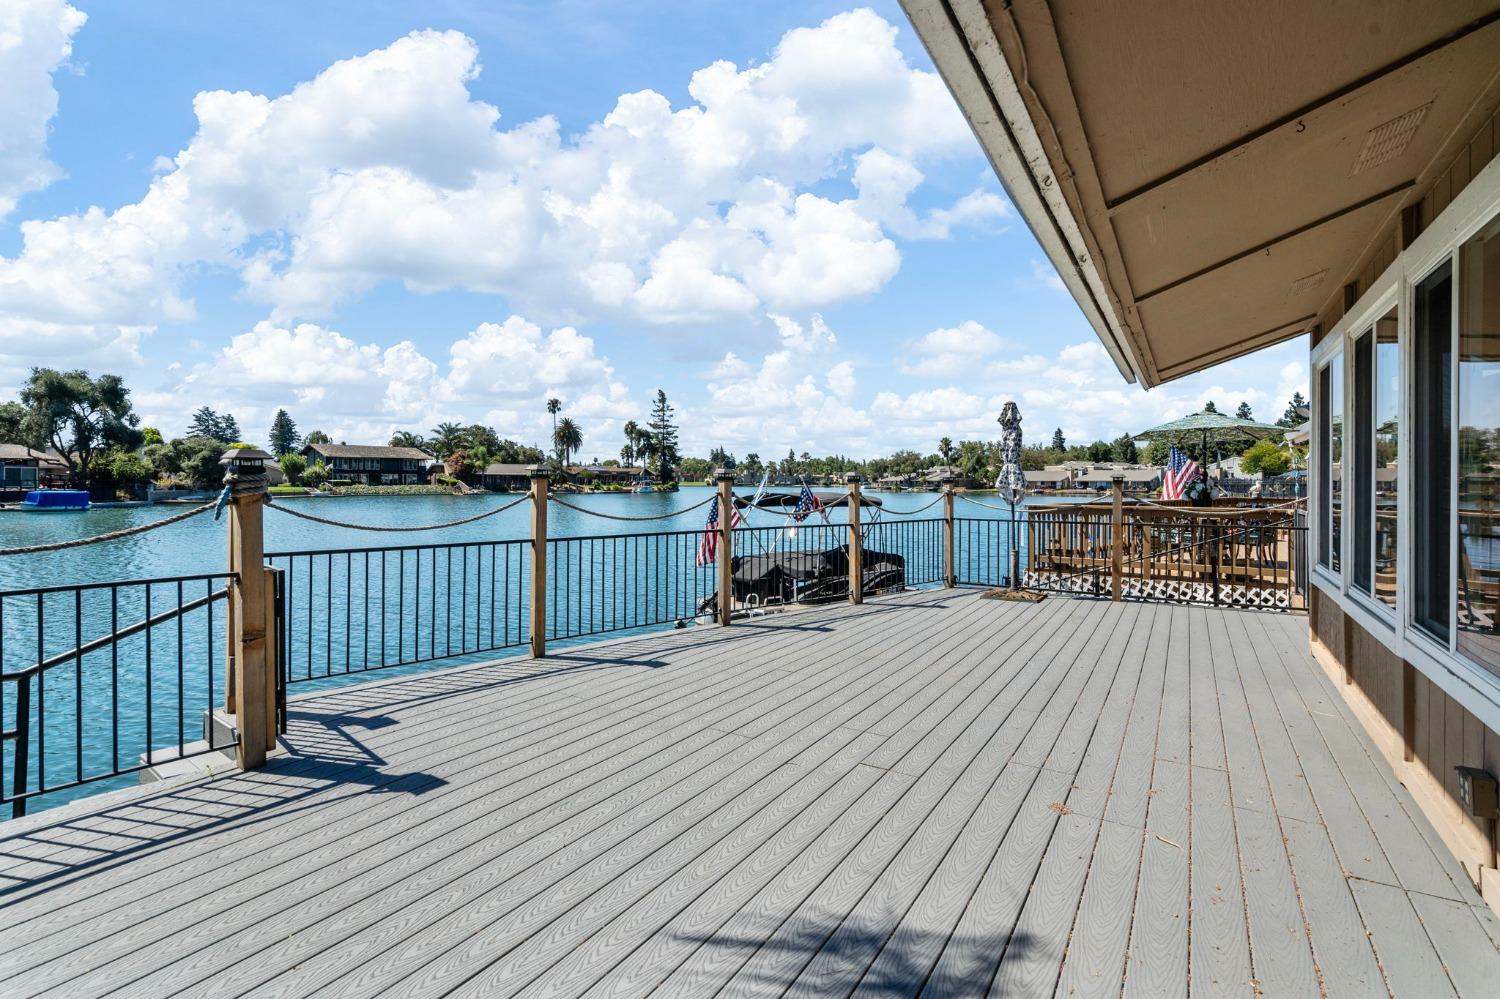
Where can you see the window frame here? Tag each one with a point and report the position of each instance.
(1471, 211)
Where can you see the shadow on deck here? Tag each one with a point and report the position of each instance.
(933, 794)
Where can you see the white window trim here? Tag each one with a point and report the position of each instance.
(1473, 686)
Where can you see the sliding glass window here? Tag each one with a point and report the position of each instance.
(1478, 570)
(1331, 450)
(1372, 458)
(1432, 440)
(1361, 464)
(1386, 482)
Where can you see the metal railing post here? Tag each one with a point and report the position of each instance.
(1117, 528)
(950, 567)
(252, 693)
(856, 544)
(21, 775)
(724, 563)
(538, 561)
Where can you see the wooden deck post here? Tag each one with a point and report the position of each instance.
(253, 695)
(1117, 529)
(856, 543)
(724, 561)
(538, 561)
(950, 567)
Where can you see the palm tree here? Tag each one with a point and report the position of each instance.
(446, 438)
(945, 448)
(554, 406)
(567, 438)
(632, 437)
(405, 438)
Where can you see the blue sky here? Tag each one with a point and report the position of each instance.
(383, 215)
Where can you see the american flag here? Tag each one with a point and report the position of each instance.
(806, 504)
(708, 545)
(1180, 473)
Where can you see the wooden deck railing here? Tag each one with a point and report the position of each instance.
(1225, 554)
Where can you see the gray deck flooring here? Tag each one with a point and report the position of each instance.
(934, 795)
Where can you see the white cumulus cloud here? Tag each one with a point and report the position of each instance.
(36, 37)
(385, 168)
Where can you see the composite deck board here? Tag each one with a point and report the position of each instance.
(932, 793)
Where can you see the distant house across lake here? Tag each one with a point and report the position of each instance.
(372, 464)
(19, 467)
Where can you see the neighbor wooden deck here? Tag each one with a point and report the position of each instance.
(934, 794)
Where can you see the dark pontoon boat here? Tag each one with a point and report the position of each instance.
(775, 577)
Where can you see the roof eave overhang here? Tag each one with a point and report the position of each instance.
(962, 46)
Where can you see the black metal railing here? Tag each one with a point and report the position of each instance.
(917, 543)
(982, 550)
(100, 680)
(352, 610)
(607, 583)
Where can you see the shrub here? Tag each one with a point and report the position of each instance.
(293, 466)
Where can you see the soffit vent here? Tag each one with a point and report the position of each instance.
(1305, 284)
(1389, 140)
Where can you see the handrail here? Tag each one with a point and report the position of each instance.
(106, 641)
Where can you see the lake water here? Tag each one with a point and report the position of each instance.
(397, 602)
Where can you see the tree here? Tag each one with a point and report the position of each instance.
(478, 437)
(696, 469)
(292, 466)
(720, 458)
(567, 438)
(752, 464)
(317, 437)
(1243, 412)
(945, 449)
(554, 406)
(1059, 442)
(1209, 407)
(405, 438)
(284, 436)
(79, 416)
(222, 428)
(1157, 453)
(18, 426)
(445, 438)
(1266, 458)
(119, 467)
(1123, 450)
(150, 435)
(663, 432)
(632, 431)
(194, 460)
(1293, 415)
(1101, 451)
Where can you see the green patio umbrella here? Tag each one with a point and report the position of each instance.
(1210, 428)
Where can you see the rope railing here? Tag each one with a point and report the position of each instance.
(988, 506)
(622, 517)
(911, 513)
(111, 536)
(395, 530)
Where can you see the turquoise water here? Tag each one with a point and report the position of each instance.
(396, 602)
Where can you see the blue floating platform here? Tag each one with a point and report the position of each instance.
(55, 500)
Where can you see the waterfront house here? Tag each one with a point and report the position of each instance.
(1052, 477)
(605, 475)
(19, 467)
(1138, 478)
(1209, 185)
(505, 477)
(372, 464)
